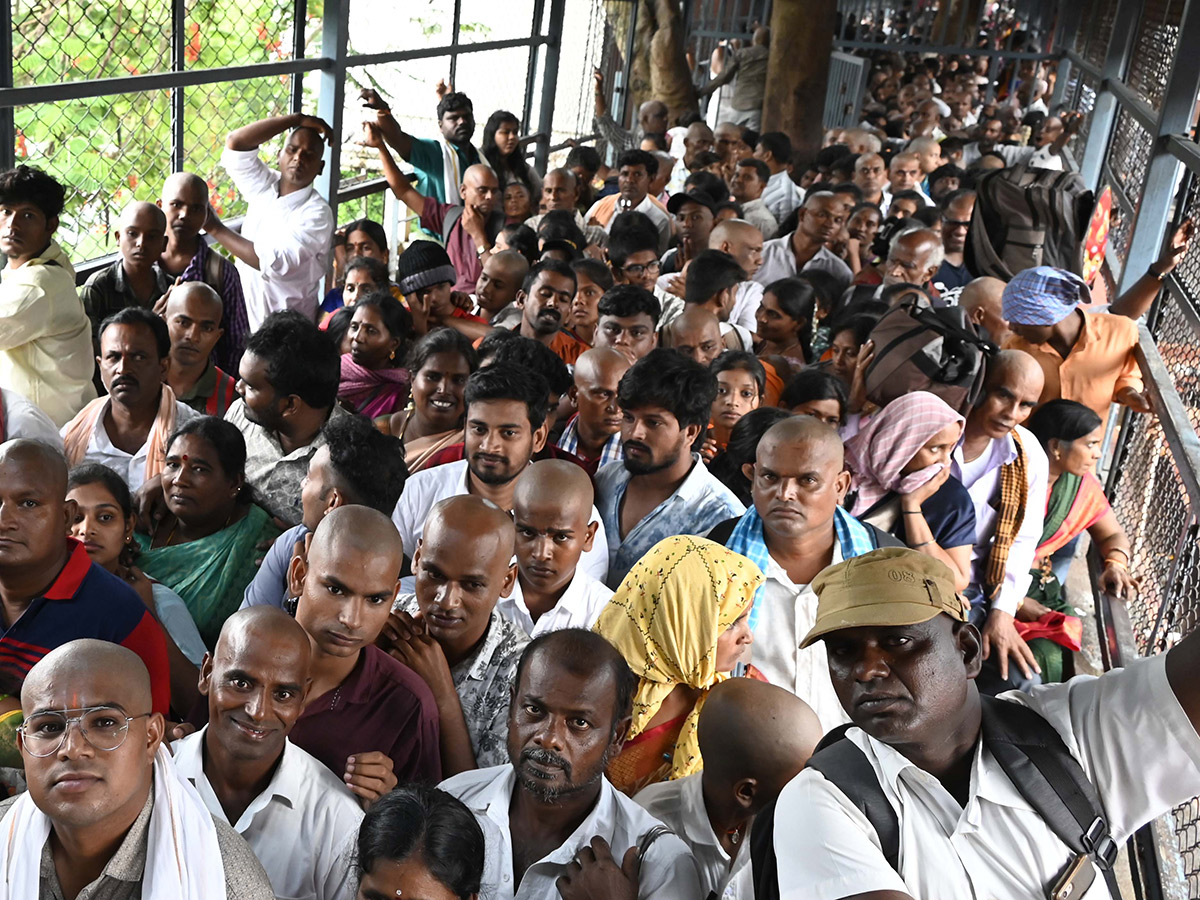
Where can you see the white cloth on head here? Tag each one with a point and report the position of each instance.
(183, 859)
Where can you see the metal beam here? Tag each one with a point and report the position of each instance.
(941, 49)
(535, 28)
(457, 20)
(1172, 415)
(299, 15)
(558, 9)
(335, 35)
(178, 64)
(375, 59)
(8, 128)
(1105, 112)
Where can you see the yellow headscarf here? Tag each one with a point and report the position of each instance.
(665, 619)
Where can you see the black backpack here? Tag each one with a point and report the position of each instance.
(1026, 217)
(1027, 748)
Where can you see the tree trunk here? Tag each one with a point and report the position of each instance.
(798, 70)
(660, 69)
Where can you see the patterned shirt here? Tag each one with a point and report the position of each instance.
(122, 877)
(222, 276)
(108, 291)
(484, 681)
(610, 452)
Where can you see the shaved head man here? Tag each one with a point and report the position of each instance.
(820, 220)
(499, 281)
(904, 172)
(594, 433)
(91, 745)
(696, 140)
(560, 190)
(193, 314)
(552, 509)
(871, 175)
(727, 136)
(981, 298)
(450, 627)
(371, 721)
(742, 241)
(754, 738)
(256, 682)
(696, 334)
(652, 117)
(913, 257)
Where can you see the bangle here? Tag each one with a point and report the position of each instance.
(1125, 553)
(912, 512)
(1157, 276)
(1116, 562)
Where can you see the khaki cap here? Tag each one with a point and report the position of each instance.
(887, 587)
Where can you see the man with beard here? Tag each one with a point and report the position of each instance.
(128, 429)
(296, 815)
(661, 488)
(553, 824)
(545, 301)
(821, 218)
(635, 169)
(506, 412)
(450, 632)
(956, 223)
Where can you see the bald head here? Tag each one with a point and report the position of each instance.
(914, 257)
(39, 463)
(468, 521)
(87, 673)
(600, 363)
(982, 293)
(182, 295)
(554, 482)
(184, 182)
(752, 730)
(479, 188)
(1011, 367)
(480, 175)
(354, 531)
(696, 334)
(256, 627)
(732, 231)
(652, 116)
(145, 216)
(819, 440)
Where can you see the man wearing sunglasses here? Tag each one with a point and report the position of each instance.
(107, 814)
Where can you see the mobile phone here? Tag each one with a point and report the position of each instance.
(1075, 881)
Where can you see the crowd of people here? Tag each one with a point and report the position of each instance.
(602, 551)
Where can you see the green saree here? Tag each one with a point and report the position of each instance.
(211, 574)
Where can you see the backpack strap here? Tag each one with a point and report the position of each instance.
(1035, 758)
(453, 214)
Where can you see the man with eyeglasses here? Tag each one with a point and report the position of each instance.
(957, 210)
(107, 814)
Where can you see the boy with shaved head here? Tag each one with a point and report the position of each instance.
(132, 280)
(194, 313)
(451, 633)
(297, 816)
(754, 738)
(594, 433)
(552, 509)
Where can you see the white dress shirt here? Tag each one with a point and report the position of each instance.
(1126, 729)
(425, 488)
(24, 420)
(303, 827)
(130, 466)
(981, 478)
(578, 607)
(291, 237)
(782, 195)
(756, 213)
(679, 805)
(667, 871)
(786, 614)
(745, 305)
(779, 261)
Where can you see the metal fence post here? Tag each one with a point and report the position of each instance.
(8, 128)
(335, 30)
(299, 12)
(558, 10)
(1105, 112)
(178, 109)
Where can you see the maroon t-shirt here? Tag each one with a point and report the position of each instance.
(460, 246)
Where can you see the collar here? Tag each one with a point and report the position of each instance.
(66, 585)
(696, 825)
(357, 686)
(285, 784)
(204, 386)
(697, 483)
(1000, 452)
(127, 864)
(295, 199)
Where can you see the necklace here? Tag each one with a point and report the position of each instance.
(337, 693)
(735, 834)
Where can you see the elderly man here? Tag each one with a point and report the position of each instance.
(796, 528)
(982, 299)
(128, 429)
(451, 634)
(284, 238)
(821, 219)
(297, 816)
(697, 139)
(189, 258)
(749, 182)
(1084, 356)
(594, 433)
(107, 814)
(653, 118)
(132, 280)
(914, 257)
(781, 194)
(560, 190)
(905, 663)
(553, 825)
(871, 176)
(904, 174)
(957, 210)
(193, 314)
(50, 590)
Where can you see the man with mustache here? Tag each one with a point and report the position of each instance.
(193, 313)
(451, 634)
(821, 217)
(554, 826)
(594, 433)
(296, 815)
(128, 430)
(545, 302)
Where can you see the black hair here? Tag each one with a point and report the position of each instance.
(631, 232)
(761, 169)
(26, 184)
(1063, 420)
(374, 267)
(798, 298)
(947, 170)
(929, 216)
(368, 463)
(441, 340)
(521, 237)
(339, 325)
(953, 197)
(658, 139)
(416, 820)
(827, 156)
(859, 207)
(749, 137)
(910, 195)
(593, 270)
(454, 100)
(713, 185)
(710, 272)
(669, 380)
(371, 229)
(560, 225)
(587, 158)
(301, 359)
(97, 473)
(741, 361)
(492, 341)
(844, 166)
(514, 163)
(778, 144)
(229, 443)
(726, 466)
(814, 384)
(636, 157)
(505, 381)
(849, 187)
(860, 325)
(624, 300)
(137, 315)
(557, 266)
(396, 319)
(705, 159)
(580, 650)
(536, 357)
(949, 145)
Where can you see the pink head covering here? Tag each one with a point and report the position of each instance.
(888, 443)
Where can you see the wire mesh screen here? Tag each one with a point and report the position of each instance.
(1085, 103)
(1129, 154)
(1097, 28)
(237, 32)
(1188, 270)
(591, 38)
(1154, 49)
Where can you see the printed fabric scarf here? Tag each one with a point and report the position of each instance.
(1014, 494)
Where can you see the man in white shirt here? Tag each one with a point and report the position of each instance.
(754, 738)
(296, 815)
(635, 169)
(281, 251)
(21, 419)
(781, 194)
(993, 441)
(553, 825)
(552, 509)
(904, 661)
(821, 218)
(749, 181)
(744, 242)
(128, 429)
(904, 174)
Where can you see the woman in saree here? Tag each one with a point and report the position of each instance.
(680, 619)
(205, 548)
(1072, 436)
(440, 364)
(374, 380)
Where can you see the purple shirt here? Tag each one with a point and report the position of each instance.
(460, 246)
